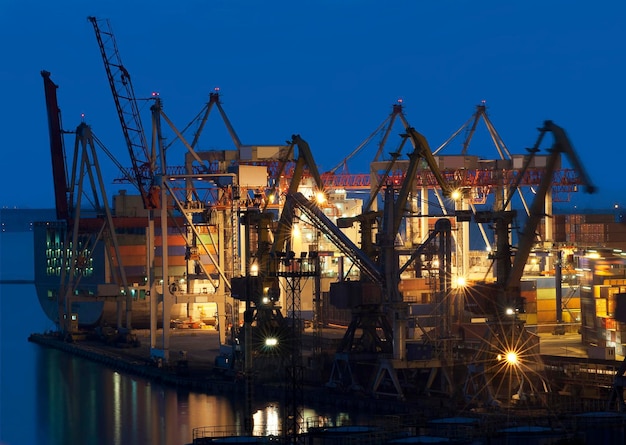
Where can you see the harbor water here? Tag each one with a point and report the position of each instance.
(48, 397)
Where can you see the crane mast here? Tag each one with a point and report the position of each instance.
(143, 160)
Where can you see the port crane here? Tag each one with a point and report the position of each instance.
(160, 197)
(267, 244)
(500, 302)
(378, 311)
(83, 181)
(144, 160)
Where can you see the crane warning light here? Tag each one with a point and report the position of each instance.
(216, 89)
(155, 94)
(400, 100)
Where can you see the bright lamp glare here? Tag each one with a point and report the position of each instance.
(511, 358)
(455, 195)
(271, 341)
(320, 197)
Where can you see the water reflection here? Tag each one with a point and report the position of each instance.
(79, 401)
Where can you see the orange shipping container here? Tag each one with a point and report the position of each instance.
(529, 295)
(571, 303)
(172, 261)
(172, 240)
(134, 260)
(610, 305)
(546, 316)
(546, 305)
(413, 284)
(610, 324)
(209, 247)
(135, 250)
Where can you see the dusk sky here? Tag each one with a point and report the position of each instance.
(327, 70)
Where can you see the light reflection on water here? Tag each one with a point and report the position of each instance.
(78, 399)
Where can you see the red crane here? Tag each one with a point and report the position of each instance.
(57, 151)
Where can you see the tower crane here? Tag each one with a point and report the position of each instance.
(142, 158)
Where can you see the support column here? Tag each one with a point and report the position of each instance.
(548, 223)
(424, 212)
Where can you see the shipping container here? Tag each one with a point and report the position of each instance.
(571, 303)
(597, 290)
(134, 260)
(545, 282)
(546, 317)
(601, 307)
(530, 296)
(531, 319)
(546, 305)
(174, 260)
(174, 271)
(546, 294)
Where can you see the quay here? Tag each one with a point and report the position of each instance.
(194, 353)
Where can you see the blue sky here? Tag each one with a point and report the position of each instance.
(327, 70)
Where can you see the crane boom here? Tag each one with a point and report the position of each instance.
(562, 145)
(305, 159)
(421, 151)
(143, 161)
(57, 151)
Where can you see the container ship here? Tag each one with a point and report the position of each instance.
(96, 290)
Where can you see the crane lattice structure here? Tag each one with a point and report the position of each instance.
(143, 161)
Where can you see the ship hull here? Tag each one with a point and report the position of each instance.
(91, 314)
(94, 298)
